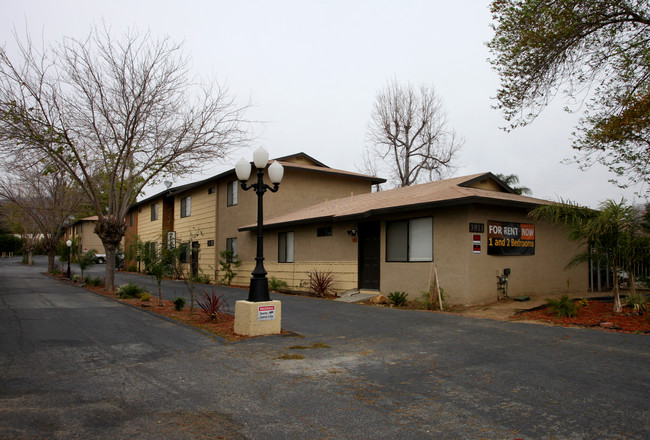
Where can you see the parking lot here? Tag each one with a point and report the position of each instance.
(77, 365)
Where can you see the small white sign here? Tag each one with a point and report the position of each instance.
(266, 313)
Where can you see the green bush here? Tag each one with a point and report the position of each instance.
(145, 296)
(397, 298)
(56, 271)
(131, 268)
(637, 301)
(201, 279)
(179, 303)
(94, 281)
(10, 243)
(129, 290)
(276, 285)
(563, 307)
(227, 263)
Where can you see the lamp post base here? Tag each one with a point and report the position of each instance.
(258, 318)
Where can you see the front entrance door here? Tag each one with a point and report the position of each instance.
(369, 250)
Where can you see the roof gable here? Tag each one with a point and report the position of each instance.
(487, 181)
(302, 159)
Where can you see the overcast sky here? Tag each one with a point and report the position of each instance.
(312, 69)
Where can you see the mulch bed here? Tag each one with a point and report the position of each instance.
(223, 326)
(596, 313)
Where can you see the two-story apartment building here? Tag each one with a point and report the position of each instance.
(206, 216)
(323, 219)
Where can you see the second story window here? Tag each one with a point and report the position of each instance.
(232, 193)
(154, 212)
(186, 206)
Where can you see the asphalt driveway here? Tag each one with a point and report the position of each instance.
(76, 365)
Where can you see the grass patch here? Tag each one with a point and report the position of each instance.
(315, 345)
(287, 356)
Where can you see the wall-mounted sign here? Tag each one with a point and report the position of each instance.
(476, 244)
(265, 313)
(507, 238)
(477, 227)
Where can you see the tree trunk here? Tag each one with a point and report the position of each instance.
(51, 259)
(110, 231)
(618, 307)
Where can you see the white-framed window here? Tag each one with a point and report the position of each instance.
(186, 206)
(154, 212)
(285, 247)
(232, 193)
(410, 240)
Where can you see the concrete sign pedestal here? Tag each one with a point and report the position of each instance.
(258, 318)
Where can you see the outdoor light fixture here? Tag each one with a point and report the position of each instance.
(259, 286)
(69, 244)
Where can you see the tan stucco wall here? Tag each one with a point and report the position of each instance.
(297, 190)
(85, 231)
(468, 278)
(150, 230)
(90, 240)
(336, 253)
(199, 226)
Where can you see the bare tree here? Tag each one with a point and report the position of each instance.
(408, 132)
(45, 200)
(114, 114)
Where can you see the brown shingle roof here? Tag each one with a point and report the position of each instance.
(440, 193)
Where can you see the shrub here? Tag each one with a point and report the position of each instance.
(212, 304)
(277, 285)
(227, 263)
(179, 303)
(131, 268)
(129, 290)
(56, 271)
(424, 302)
(563, 307)
(145, 296)
(397, 298)
(321, 282)
(94, 281)
(201, 279)
(75, 278)
(637, 301)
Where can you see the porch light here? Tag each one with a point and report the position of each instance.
(260, 158)
(276, 172)
(243, 169)
(69, 245)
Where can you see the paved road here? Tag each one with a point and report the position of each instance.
(77, 365)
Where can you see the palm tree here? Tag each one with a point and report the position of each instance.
(511, 180)
(609, 233)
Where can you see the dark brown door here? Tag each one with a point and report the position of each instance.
(195, 259)
(369, 241)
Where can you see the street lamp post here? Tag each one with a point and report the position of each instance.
(69, 244)
(259, 285)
